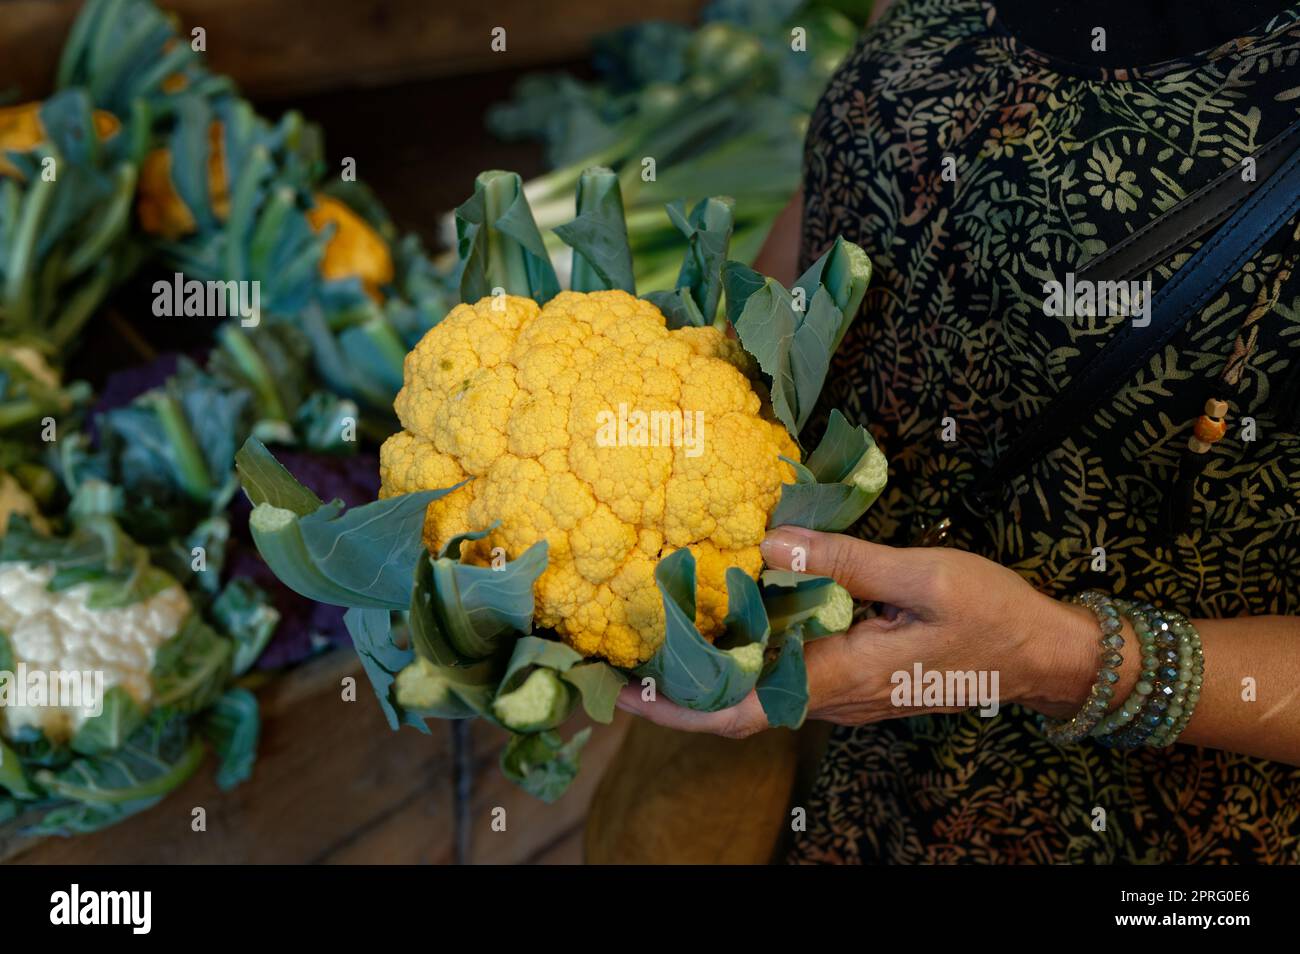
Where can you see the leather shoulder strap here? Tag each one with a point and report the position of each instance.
(1193, 218)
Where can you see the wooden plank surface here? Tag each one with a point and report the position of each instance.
(298, 45)
(332, 784)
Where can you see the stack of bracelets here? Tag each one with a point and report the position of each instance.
(1162, 702)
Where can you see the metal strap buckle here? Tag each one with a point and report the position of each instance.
(937, 534)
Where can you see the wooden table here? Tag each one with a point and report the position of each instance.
(334, 785)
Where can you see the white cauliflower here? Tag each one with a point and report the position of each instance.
(58, 631)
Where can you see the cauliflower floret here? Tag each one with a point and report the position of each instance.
(58, 632)
(589, 424)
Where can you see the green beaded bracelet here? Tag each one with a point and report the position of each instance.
(1170, 682)
(1066, 732)
(1188, 691)
(1158, 676)
(1131, 706)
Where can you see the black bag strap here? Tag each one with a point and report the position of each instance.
(1195, 217)
(1257, 218)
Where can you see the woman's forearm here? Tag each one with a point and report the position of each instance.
(1250, 694)
(1250, 699)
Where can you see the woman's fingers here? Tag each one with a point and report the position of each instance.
(868, 571)
(741, 720)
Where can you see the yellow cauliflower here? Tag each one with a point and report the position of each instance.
(159, 206)
(21, 130)
(541, 406)
(355, 248)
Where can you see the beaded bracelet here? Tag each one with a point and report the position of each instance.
(1065, 732)
(1134, 704)
(1157, 710)
(1188, 691)
(1159, 677)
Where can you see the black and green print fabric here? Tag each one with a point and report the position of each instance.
(1055, 162)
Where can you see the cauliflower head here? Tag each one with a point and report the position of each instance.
(21, 130)
(60, 632)
(161, 209)
(354, 250)
(589, 424)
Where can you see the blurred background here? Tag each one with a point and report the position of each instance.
(413, 91)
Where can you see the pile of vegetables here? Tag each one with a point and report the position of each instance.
(517, 565)
(121, 550)
(123, 537)
(701, 103)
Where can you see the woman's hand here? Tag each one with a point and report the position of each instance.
(944, 609)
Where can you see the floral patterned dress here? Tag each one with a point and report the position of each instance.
(1055, 162)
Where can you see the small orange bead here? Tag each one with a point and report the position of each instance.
(1210, 430)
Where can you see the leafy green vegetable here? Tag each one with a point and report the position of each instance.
(323, 420)
(703, 102)
(244, 610)
(542, 701)
(232, 727)
(794, 335)
(699, 283)
(783, 688)
(428, 638)
(686, 668)
(107, 731)
(61, 240)
(123, 51)
(844, 271)
(817, 603)
(364, 557)
(12, 776)
(602, 258)
(543, 764)
(173, 447)
(31, 391)
(500, 244)
(843, 477)
(446, 692)
(598, 683)
(177, 556)
(103, 790)
(267, 482)
(383, 660)
(533, 651)
(191, 669)
(477, 606)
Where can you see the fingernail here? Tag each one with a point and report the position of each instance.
(778, 547)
